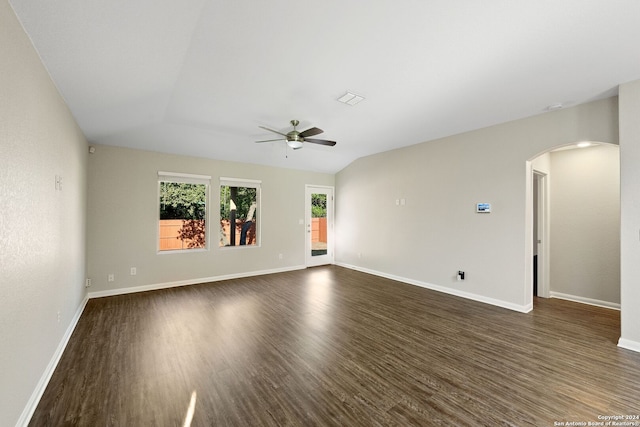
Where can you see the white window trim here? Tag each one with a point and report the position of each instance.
(254, 183)
(185, 178)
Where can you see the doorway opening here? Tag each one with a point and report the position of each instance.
(540, 235)
(573, 225)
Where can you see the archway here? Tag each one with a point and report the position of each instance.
(574, 226)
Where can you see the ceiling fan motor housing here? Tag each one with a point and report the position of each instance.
(294, 135)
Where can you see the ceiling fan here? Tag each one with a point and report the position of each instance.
(295, 139)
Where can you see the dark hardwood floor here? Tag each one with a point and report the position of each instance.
(331, 346)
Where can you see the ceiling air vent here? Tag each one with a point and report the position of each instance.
(350, 98)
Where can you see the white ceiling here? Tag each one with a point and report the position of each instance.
(197, 77)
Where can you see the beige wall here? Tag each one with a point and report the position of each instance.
(42, 230)
(585, 224)
(123, 220)
(437, 232)
(630, 216)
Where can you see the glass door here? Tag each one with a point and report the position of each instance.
(319, 225)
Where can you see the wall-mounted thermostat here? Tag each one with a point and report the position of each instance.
(483, 207)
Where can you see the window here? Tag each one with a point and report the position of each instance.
(183, 211)
(239, 212)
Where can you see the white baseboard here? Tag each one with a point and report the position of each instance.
(32, 404)
(583, 300)
(492, 301)
(629, 345)
(166, 285)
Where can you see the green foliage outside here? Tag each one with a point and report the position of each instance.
(182, 201)
(246, 196)
(186, 202)
(318, 205)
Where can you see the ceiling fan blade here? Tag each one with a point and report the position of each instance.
(271, 140)
(311, 132)
(274, 131)
(320, 141)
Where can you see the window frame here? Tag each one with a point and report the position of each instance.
(249, 183)
(185, 178)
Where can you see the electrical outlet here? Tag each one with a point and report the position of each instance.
(87, 283)
(111, 277)
(134, 271)
(58, 316)
(279, 256)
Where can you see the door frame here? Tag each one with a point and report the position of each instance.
(544, 234)
(312, 261)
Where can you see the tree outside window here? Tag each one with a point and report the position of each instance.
(238, 214)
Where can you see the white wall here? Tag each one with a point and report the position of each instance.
(438, 232)
(630, 215)
(585, 224)
(123, 220)
(42, 231)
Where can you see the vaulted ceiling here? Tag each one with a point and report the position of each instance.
(197, 77)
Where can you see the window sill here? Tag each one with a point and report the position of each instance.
(182, 251)
(224, 248)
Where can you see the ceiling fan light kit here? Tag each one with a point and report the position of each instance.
(295, 139)
(294, 144)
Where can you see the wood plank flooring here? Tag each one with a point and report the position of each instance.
(331, 346)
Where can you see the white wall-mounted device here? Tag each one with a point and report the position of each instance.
(483, 207)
